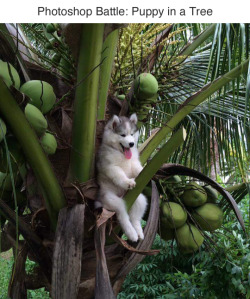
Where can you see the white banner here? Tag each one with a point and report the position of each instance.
(117, 11)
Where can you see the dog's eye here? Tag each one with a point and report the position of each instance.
(123, 135)
(132, 134)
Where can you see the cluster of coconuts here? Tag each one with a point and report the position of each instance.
(12, 161)
(53, 33)
(187, 228)
(56, 48)
(15, 153)
(42, 99)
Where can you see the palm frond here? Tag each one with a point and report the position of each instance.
(216, 129)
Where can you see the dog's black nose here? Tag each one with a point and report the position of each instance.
(131, 144)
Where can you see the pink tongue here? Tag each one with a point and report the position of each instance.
(127, 153)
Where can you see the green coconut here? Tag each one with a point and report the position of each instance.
(209, 216)
(36, 119)
(146, 86)
(189, 238)
(121, 97)
(56, 25)
(15, 153)
(174, 179)
(2, 129)
(9, 74)
(194, 195)
(173, 215)
(212, 194)
(50, 28)
(41, 94)
(49, 144)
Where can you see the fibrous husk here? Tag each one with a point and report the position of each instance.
(209, 216)
(9, 74)
(212, 194)
(146, 86)
(189, 238)
(41, 94)
(50, 28)
(173, 215)
(36, 119)
(194, 195)
(49, 144)
(175, 179)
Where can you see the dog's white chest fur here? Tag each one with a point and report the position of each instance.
(118, 166)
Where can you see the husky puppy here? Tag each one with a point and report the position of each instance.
(118, 165)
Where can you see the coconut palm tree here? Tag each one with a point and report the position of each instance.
(203, 76)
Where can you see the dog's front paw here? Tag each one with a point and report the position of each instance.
(141, 235)
(138, 229)
(131, 183)
(132, 235)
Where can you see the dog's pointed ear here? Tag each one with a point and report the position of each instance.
(133, 118)
(114, 122)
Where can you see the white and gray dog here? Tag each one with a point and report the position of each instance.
(118, 165)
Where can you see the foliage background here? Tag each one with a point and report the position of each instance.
(222, 271)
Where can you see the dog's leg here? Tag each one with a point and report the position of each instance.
(136, 213)
(116, 204)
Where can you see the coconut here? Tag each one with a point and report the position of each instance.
(209, 216)
(175, 179)
(56, 25)
(49, 144)
(194, 195)
(146, 86)
(41, 94)
(9, 74)
(50, 28)
(212, 194)
(189, 238)
(36, 119)
(173, 215)
(2, 129)
(121, 97)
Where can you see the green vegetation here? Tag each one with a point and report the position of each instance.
(6, 262)
(212, 273)
(190, 87)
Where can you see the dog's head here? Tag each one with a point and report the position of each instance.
(122, 133)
